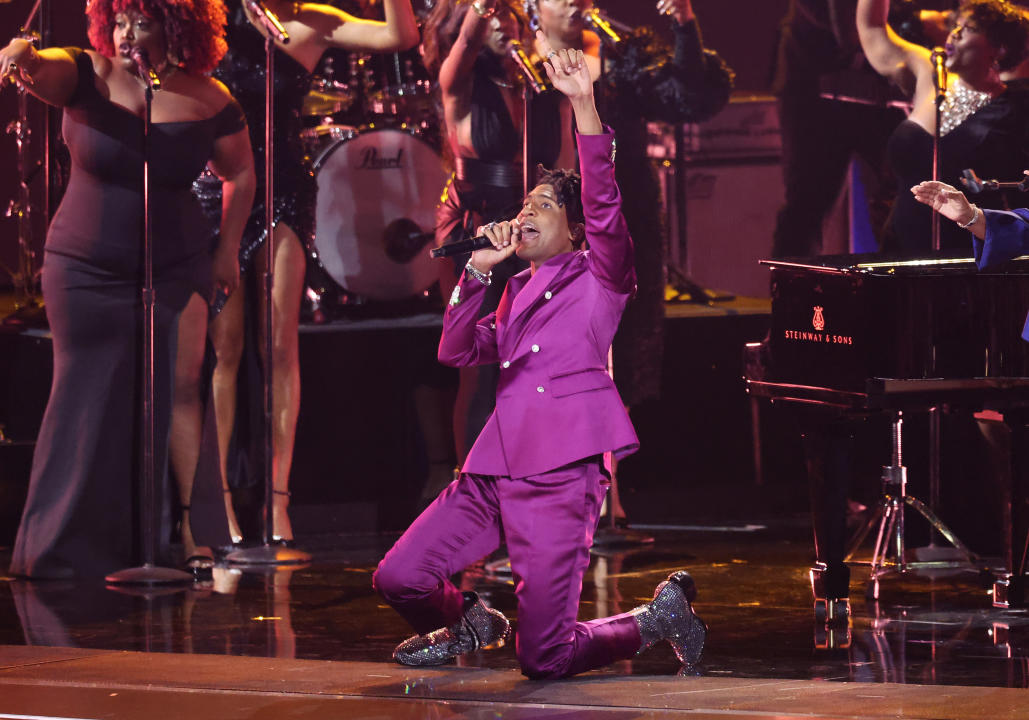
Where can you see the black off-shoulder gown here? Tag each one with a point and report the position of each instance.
(80, 517)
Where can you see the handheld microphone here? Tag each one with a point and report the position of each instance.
(601, 25)
(461, 246)
(532, 76)
(268, 19)
(144, 68)
(939, 56)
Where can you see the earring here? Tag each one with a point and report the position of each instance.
(534, 19)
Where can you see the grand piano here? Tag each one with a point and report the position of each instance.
(855, 335)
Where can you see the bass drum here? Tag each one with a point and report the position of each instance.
(376, 210)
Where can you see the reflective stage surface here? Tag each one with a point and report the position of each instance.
(753, 592)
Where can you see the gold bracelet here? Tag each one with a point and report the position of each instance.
(484, 12)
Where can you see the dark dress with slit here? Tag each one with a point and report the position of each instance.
(243, 72)
(81, 517)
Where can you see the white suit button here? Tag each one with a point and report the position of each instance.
(507, 363)
(535, 348)
(539, 389)
(548, 294)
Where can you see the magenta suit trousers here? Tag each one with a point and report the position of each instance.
(548, 522)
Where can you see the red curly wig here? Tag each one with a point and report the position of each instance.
(194, 30)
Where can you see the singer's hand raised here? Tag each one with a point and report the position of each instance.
(566, 69)
(680, 10)
(503, 235)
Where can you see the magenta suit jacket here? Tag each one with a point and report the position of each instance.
(556, 403)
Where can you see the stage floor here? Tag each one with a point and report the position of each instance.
(314, 641)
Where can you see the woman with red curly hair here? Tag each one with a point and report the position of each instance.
(78, 519)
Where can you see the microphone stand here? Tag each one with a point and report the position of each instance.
(268, 553)
(940, 82)
(148, 573)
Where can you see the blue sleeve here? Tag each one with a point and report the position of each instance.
(1007, 237)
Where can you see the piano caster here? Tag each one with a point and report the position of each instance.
(830, 588)
(1008, 591)
(832, 637)
(832, 611)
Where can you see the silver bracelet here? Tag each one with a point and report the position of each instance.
(975, 216)
(484, 278)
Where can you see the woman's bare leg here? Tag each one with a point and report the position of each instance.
(227, 333)
(188, 410)
(287, 289)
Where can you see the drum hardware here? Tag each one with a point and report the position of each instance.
(375, 211)
(28, 308)
(326, 96)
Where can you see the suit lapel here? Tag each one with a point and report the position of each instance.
(537, 284)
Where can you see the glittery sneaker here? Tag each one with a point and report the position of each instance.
(669, 616)
(480, 627)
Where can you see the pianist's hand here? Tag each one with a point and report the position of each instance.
(948, 201)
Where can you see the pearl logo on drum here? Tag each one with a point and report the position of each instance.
(370, 160)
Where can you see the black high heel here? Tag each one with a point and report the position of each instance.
(276, 539)
(201, 567)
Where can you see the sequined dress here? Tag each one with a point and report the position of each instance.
(80, 517)
(243, 72)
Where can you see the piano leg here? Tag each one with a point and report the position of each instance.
(1009, 590)
(828, 450)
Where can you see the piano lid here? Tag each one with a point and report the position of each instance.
(884, 265)
(838, 320)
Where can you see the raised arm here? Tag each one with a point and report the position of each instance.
(315, 28)
(455, 74)
(606, 231)
(891, 56)
(399, 31)
(51, 75)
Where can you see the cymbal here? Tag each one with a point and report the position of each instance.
(319, 102)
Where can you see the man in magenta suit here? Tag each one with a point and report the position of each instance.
(535, 470)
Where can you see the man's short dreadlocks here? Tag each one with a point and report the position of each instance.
(567, 186)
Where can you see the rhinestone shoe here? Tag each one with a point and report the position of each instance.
(480, 627)
(669, 616)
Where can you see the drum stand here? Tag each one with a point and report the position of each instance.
(28, 310)
(268, 553)
(889, 520)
